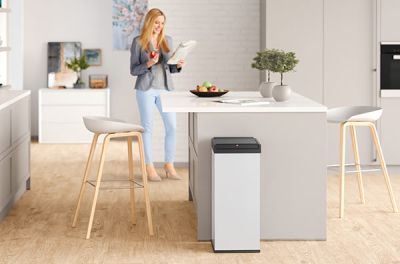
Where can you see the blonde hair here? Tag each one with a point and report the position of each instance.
(147, 30)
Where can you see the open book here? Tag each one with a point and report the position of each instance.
(243, 102)
(182, 51)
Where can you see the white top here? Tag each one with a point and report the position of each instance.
(186, 102)
(73, 90)
(8, 97)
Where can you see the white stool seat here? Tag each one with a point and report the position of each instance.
(105, 125)
(354, 113)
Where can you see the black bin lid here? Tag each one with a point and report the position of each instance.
(235, 145)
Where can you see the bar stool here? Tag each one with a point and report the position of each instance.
(353, 116)
(113, 128)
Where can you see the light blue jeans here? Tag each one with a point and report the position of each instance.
(146, 101)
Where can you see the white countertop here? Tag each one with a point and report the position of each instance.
(186, 102)
(8, 97)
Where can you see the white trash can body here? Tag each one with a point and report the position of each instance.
(236, 196)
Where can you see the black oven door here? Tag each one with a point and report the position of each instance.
(390, 67)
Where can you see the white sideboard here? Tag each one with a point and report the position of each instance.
(61, 112)
(14, 147)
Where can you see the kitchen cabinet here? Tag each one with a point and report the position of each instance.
(14, 147)
(387, 31)
(61, 112)
(390, 20)
(390, 130)
(297, 26)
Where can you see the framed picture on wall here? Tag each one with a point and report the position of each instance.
(93, 56)
(58, 54)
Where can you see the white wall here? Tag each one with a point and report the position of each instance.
(227, 32)
(11, 32)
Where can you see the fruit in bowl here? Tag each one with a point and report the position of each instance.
(213, 89)
(207, 84)
(207, 89)
(201, 88)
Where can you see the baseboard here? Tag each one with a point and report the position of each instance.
(179, 164)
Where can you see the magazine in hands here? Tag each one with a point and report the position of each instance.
(182, 51)
(243, 101)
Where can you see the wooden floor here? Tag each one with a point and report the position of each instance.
(38, 229)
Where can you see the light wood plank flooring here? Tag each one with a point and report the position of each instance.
(38, 229)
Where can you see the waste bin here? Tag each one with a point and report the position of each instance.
(236, 194)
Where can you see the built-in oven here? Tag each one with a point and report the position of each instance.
(390, 66)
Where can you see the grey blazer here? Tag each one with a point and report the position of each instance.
(140, 57)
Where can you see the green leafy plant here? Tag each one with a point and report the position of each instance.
(77, 65)
(263, 60)
(281, 61)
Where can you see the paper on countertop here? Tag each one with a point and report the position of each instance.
(243, 102)
(182, 51)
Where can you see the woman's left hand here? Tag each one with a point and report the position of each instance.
(180, 64)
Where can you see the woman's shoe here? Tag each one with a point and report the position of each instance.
(171, 173)
(152, 174)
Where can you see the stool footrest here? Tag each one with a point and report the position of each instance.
(135, 184)
(355, 171)
(351, 171)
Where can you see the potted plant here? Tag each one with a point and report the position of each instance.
(262, 62)
(282, 62)
(77, 65)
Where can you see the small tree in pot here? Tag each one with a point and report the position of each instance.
(77, 65)
(262, 62)
(282, 62)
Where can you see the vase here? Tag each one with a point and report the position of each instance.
(281, 93)
(266, 89)
(79, 83)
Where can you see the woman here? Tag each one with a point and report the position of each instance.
(150, 52)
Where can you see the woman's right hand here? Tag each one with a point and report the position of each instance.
(153, 58)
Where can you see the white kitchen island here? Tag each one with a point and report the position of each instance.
(293, 159)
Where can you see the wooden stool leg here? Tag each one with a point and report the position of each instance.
(342, 166)
(131, 180)
(145, 185)
(87, 171)
(357, 162)
(383, 166)
(96, 193)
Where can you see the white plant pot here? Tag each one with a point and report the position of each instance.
(266, 89)
(281, 93)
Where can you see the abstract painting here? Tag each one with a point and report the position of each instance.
(127, 21)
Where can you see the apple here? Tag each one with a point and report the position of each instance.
(213, 88)
(221, 90)
(207, 84)
(153, 54)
